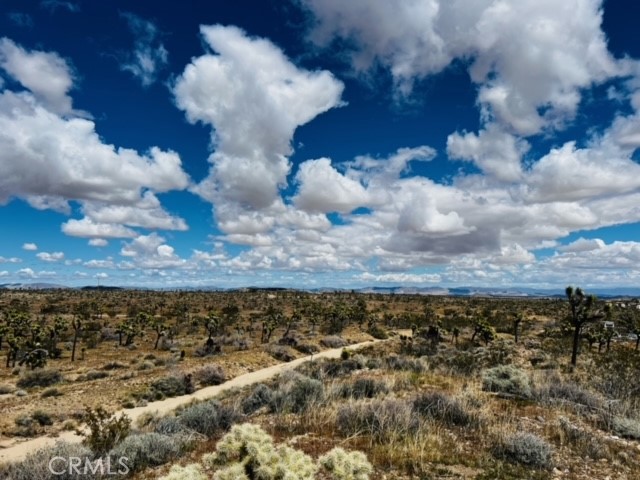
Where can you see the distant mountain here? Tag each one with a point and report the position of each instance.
(31, 286)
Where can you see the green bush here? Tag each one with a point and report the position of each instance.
(626, 427)
(39, 378)
(506, 379)
(525, 448)
(105, 431)
(210, 375)
(363, 388)
(169, 386)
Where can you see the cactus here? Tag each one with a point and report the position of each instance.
(343, 465)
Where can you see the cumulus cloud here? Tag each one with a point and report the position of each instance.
(50, 257)
(526, 56)
(50, 155)
(323, 189)
(151, 252)
(254, 98)
(98, 242)
(10, 260)
(149, 55)
(45, 74)
(400, 277)
(29, 247)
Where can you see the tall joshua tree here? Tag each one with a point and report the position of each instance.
(583, 310)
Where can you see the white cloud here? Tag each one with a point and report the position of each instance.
(10, 260)
(4, 273)
(150, 252)
(50, 257)
(85, 228)
(323, 189)
(254, 98)
(149, 55)
(29, 247)
(400, 277)
(54, 5)
(98, 242)
(45, 74)
(525, 56)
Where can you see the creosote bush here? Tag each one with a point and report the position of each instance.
(210, 375)
(261, 396)
(445, 408)
(296, 393)
(147, 450)
(36, 465)
(105, 431)
(208, 418)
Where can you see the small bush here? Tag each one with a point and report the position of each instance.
(105, 431)
(170, 426)
(333, 341)
(36, 465)
(626, 427)
(147, 450)
(39, 378)
(92, 375)
(5, 389)
(261, 396)
(442, 407)
(169, 386)
(558, 390)
(506, 379)
(395, 362)
(306, 348)
(525, 448)
(210, 375)
(114, 366)
(51, 392)
(43, 418)
(208, 418)
(282, 354)
(363, 388)
(296, 393)
(382, 419)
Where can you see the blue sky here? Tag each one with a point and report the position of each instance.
(320, 143)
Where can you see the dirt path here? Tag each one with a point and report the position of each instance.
(18, 451)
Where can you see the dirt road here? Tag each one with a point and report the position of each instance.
(18, 451)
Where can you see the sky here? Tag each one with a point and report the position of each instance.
(320, 143)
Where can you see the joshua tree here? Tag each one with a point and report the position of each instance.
(583, 310)
(517, 321)
(455, 333)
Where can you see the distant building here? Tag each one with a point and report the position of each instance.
(609, 325)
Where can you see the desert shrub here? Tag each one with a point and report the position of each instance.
(396, 362)
(105, 431)
(169, 386)
(51, 392)
(506, 379)
(626, 427)
(261, 396)
(583, 441)
(306, 348)
(208, 418)
(27, 426)
(170, 426)
(146, 450)
(36, 465)
(381, 419)
(343, 465)
(296, 393)
(43, 418)
(146, 365)
(525, 448)
(333, 341)
(5, 389)
(39, 378)
(615, 375)
(373, 363)
(445, 408)
(113, 366)
(210, 375)
(280, 353)
(459, 362)
(91, 375)
(363, 388)
(378, 332)
(558, 390)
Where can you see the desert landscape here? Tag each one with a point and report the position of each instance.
(423, 386)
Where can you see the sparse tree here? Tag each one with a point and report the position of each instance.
(583, 310)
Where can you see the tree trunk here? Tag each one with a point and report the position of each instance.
(155, 347)
(637, 341)
(73, 349)
(576, 342)
(515, 332)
